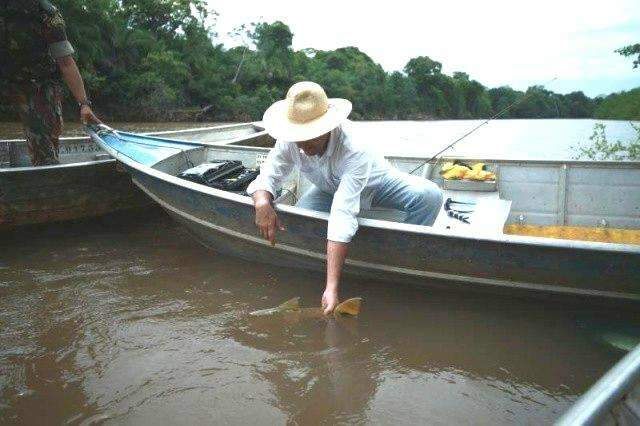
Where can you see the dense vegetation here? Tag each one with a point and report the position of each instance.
(631, 50)
(621, 106)
(145, 59)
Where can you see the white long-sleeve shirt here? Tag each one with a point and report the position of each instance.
(345, 169)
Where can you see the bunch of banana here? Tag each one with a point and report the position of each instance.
(454, 171)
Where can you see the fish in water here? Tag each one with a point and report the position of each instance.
(350, 307)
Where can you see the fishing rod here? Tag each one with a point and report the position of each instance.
(507, 108)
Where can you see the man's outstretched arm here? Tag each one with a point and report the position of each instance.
(54, 31)
(336, 255)
(73, 79)
(343, 224)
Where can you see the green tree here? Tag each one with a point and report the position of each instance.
(476, 100)
(631, 50)
(401, 97)
(502, 98)
(273, 43)
(349, 73)
(163, 17)
(425, 72)
(620, 106)
(539, 103)
(578, 105)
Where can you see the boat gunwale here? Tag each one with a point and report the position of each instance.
(32, 169)
(604, 163)
(367, 222)
(154, 135)
(158, 133)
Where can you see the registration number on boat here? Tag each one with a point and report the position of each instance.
(260, 158)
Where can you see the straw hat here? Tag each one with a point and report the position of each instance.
(305, 114)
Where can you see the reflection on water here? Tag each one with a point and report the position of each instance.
(131, 321)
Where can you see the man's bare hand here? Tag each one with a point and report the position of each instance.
(267, 221)
(329, 300)
(87, 116)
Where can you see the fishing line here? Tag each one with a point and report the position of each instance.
(507, 108)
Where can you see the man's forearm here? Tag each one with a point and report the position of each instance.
(336, 255)
(73, 79)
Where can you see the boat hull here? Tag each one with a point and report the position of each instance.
(33, 195)
(405, 253)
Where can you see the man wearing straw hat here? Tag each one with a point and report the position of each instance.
(312, 133)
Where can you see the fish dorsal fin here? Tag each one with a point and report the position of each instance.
(349, 307)
(290, 305)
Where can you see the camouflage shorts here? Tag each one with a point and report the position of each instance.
(41, 113)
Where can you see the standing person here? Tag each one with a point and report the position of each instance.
(35, 57)
(313, 135)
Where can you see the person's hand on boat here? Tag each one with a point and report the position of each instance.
(267, 220)
(329, 300)
(87, 116)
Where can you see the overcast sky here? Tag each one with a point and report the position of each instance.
(515, 43)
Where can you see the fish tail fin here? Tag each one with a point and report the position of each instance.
(290, 305)
(349, 307)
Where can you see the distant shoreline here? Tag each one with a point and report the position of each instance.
(12, 129)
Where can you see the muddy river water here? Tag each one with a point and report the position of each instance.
(127, 320)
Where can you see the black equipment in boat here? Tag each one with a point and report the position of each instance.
(228, 175)
(207, 173)
(237, 181)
